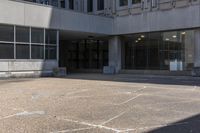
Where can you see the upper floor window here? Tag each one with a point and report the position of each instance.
(90, 5)
(136, 1)
(123, 2)
(100, 5)
(62, 3)
(71, 4)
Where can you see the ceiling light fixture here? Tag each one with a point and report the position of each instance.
(183, 33)
(174, 36)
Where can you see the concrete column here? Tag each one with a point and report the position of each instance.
(196, 71)
(115, 53)
(197, 49)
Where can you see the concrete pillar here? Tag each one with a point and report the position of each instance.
(115, 53)
(197, 49)
(196, 71)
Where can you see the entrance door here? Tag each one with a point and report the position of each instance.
(140, 59)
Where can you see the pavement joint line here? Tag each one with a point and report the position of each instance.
(72, 130)
(74, 92)
(115, 117)
(133, 98)
(91, 125)
(24, 113)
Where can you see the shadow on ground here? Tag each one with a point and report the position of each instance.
(189, 125)
(167, 80)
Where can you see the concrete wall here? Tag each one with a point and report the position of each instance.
(23, 68)
(177, 18)
(36, 15)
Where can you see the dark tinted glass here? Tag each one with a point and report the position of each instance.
(22, 34)
(100, 4)
(50, 52)
(90, 5)
(51, 37)
(22, 51)
(37, 35)
(123, 2)
(6, 33)
(37, 52)
(6, 51)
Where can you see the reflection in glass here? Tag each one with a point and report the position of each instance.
(158, 50)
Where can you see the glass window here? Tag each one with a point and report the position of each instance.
(22, 51)
(100, 4)
(50, 52)
(136, 1)
(90, 5)
(123, 2)
(51, 37)
(22, 34)
(158, 50)
(6, 33)
(62, 3)
(6, 51)
(71, 4)
(37, 35)
(37, 52)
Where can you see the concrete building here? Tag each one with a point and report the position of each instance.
(117, 36)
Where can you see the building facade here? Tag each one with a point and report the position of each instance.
(120, 36)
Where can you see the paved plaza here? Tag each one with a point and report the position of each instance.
(95, 103)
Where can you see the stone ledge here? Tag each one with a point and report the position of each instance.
(26, 74)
